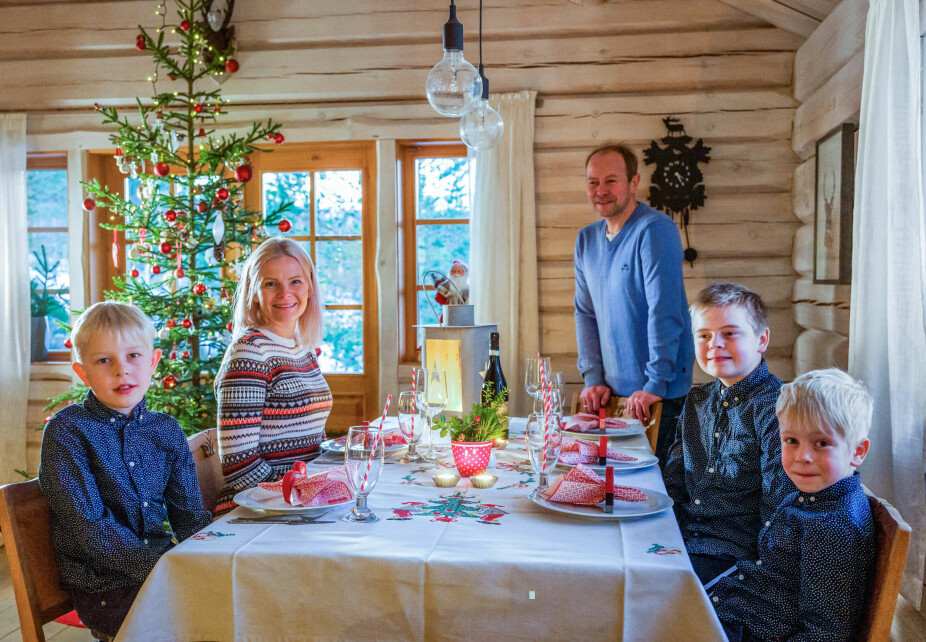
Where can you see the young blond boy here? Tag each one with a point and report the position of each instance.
(816, 552)
(724, 468)
(119, 478)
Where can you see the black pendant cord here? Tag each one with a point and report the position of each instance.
(480, 36)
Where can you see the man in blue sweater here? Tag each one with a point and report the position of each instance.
(632, 322)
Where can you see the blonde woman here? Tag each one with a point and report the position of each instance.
(272, 398)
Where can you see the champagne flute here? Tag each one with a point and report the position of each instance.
(363, 458)
(544, 437)
(431, 388)
(410, 424)
(558, 380)
(532, 381)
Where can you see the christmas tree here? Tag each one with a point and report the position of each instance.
(186, 228)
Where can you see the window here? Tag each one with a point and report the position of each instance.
(436, 202)
(47, 220)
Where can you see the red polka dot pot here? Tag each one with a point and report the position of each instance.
(471, 458)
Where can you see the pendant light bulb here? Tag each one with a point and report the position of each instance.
(482, 126)
(453, 85)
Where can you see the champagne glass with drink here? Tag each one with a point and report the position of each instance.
(536, 369)
(411, 426)
(363, 458)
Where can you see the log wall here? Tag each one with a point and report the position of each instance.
(828, 84)
(356, 69)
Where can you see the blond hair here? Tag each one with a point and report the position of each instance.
(721, 295)
(247, 312)
(112, 316)
(830, 400)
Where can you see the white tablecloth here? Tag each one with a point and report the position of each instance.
(454, 564)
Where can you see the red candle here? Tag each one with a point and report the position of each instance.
(601, 419)
(602, 450)
(609, 480)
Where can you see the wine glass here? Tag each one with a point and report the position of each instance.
(431, 395)
(410, 425)
(558, 380)
(532, 380)
(544, 437)
(363, 458)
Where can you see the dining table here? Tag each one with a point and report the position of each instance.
(457, 563)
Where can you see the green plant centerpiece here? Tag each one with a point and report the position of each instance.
(487, 420)
(45, 304)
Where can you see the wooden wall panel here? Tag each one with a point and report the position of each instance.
(831, 46)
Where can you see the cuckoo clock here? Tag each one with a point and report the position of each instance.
(676, 186)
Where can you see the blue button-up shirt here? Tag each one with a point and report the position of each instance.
(815, 560)
(724, 469)
(120, 488)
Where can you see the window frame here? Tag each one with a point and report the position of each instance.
(52, 161)
(407, 152)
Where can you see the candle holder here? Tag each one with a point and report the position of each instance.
(483, 481)
(446, 480)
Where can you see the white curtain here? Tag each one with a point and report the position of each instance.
(503, 246)
(14, 293)
(887, 339)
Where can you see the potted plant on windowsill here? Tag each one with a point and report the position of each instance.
(43, 305)
(472, 435)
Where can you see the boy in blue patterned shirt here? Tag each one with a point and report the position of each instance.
(816, 553)
(724, 469)
(119, 478)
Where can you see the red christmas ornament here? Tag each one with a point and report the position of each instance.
(197, 108)
(186, 323)
(285, 226)
(166, 247)
(202, 206)
(199, 288)
(156, 269)
(231, 65)
(169, 77)
(224, 293)
(89, 204)
(169, 382)
(243, 173)
(278, 139)
(228, 326)
(179, 273)
(222, 194)
(170, 216)
(69, 345)
(185, 25)
(202, 132)
(134, 274)
(186, 354)
(173, 355)
(162, 169)
(140, 43)
(171, 323)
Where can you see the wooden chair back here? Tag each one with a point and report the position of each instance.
(893, 537)
(617, 407)
(25, 521)
(205, 449)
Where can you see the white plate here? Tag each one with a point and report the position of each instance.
(267, 500)
(635, 428)
(656, 502)
(334, 446)
(644, 459)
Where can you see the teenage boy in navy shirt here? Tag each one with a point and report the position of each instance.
(119, 478)
(816, 553)
(724, 470)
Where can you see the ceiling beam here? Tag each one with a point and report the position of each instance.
(818, 9)
(778, 14)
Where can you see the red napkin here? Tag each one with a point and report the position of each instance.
(318, 489)
(582, 485)
(584, 422)
(578, 451)
(390, 438)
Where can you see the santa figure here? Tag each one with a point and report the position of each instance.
(449, 290)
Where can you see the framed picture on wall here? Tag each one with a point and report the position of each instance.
(835, 194)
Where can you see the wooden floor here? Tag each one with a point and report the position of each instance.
(909, 626)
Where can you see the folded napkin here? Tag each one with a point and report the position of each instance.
(391, 437)
(582, 486)
(585, 422)
(579, 451)
(318, 489)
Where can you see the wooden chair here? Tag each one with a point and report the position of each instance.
(617, 407)
(204, 446)
(25, 521)
(893, 537)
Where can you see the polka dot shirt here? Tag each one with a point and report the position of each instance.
(809, 580)
(120, 490)
(724, 469)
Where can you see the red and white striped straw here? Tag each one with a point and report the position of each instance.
(382, 423)
(414, 396)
